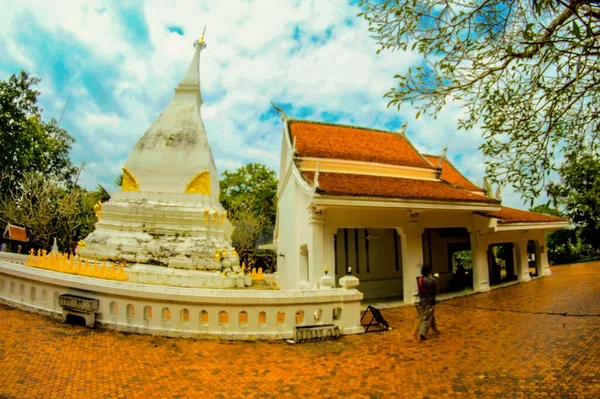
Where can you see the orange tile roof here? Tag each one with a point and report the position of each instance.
(323, 140)
(15, 233)
(376, 186)
(452, 175)
(511, 215)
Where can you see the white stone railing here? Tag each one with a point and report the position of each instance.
(189, 312)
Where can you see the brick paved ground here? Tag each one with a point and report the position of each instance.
(531, 348)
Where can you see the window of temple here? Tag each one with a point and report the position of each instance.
(32, 294)
(44, 296)
(337, 313)
(1, 285)
(280, 318)
(243, 319)
(223, 318)
(130, 312)
(22, 290)
(166, 315)
(184, 316)
(12, 287)
(56, 295)
(299, 317)
(147, 313)
(373, 253)
(114, 308)
(262, 319)
(318, 315)
(204, 318)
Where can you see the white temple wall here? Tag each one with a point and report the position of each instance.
(187, 312)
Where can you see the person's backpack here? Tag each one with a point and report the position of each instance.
(420, 285)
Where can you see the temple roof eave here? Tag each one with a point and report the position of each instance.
(413, 204)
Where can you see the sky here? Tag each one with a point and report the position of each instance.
(117, 63)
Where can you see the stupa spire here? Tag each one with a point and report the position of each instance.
(191, 78)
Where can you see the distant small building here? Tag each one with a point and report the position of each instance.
(14, 238)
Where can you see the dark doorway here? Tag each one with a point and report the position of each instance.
(501, 263)
(75, 320)
(448, 251)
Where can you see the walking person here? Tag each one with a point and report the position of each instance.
(427, 286)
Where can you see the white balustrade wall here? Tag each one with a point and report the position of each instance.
(188, 312)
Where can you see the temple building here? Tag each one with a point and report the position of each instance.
(365, 202)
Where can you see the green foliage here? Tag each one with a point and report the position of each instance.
(250, 196)
(578, 192)
(525, 71)
(253, 186)
(36, 175)
(564, 246)
(27, 143)
(464, 258)
(49, 209)
(547, 210)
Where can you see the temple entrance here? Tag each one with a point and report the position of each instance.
(501, 263)
(448, 251)
(372, 255)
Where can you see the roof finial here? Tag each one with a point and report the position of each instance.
(200, 43)
(442, 157)
(402, 130)
(487, 187)
(316, 183)
(280, 111)
(498, 193)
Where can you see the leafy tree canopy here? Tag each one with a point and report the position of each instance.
(28, 143)
(546, 209)
(527, 71)
(254, 186)
(250, 196)
(578, 192)
(48, 210)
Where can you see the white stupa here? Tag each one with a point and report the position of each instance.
(168, 212)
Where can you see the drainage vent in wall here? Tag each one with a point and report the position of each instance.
(317, 333)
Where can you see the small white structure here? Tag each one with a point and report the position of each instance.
(365, 202)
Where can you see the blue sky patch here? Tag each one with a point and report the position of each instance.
(135, 26)
(175, 29)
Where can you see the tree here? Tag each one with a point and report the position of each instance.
(48, 209)
(526, 71)
(578, 192)
(254, 186)
(250, 196)
(28, 143)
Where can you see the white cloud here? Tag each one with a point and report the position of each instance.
(252, 58)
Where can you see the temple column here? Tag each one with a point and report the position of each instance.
(330, 253)
(543, 263)
(316, 245)
(481, 275)
(412, 254)
(522, 262)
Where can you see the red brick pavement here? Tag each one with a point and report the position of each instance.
(511, 342)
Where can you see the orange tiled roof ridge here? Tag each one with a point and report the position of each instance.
(394, 187)
(512, 215)
(16, 233)
(451, 174)
(334, 141)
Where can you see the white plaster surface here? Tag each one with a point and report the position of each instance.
(160, 224)
(124, 305)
